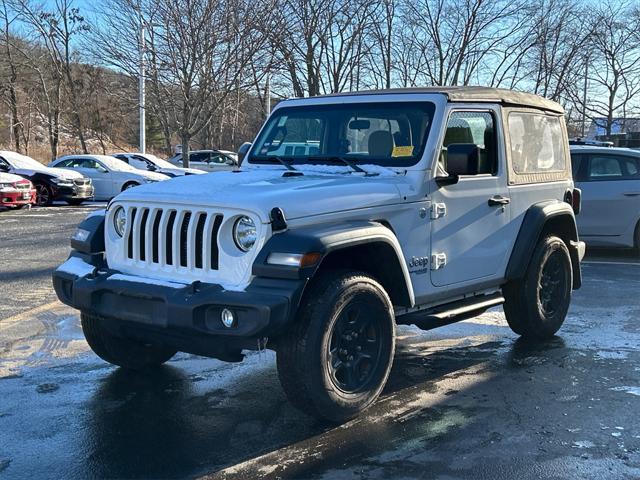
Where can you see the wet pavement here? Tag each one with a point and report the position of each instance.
(466, 401)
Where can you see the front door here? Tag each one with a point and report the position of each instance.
(469, 219)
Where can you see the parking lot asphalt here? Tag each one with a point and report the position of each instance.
(466, 401)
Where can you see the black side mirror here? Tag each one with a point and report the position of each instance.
(152, 168)
(462, 159)
(242, 151)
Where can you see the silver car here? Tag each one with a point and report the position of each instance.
(610, 182)
(208, 160)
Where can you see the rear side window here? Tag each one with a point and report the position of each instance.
(537, 143)
(612, 167)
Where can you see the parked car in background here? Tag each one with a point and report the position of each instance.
(209, 160)
(110, 176)
(610, 182)
(15, 191)
(50, 183)
(147, 161)
(591, 143)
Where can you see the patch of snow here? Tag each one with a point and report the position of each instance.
(608, 354)
(583, 444)
(76, 266)
(149, 281)
(626, 389)
(97, 213)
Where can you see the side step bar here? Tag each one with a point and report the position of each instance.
(451, 312)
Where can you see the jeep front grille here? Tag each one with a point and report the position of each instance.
(173, 237)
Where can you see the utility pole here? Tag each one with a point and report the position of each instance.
(268, 95)
(141, 87)
(584, 99)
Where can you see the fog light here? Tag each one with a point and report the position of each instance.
(228, 318)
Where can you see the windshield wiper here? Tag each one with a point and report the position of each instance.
(279, 160)
(349, 163)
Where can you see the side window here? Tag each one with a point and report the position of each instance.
(577, 161)
(612, 167)
(199, 157)
(537, 144)
(218, 159)
(137, 162)
(476, 128)
(632, 166)
(4, 166)
(65, 163)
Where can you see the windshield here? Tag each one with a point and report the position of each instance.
(157, 161)
(115, 164)
(17, 160)
(387, 134)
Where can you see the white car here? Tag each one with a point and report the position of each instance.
(109, 175)
(610, 182)
(209, 160)
(148, 161)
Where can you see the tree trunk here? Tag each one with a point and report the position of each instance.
(185, 138)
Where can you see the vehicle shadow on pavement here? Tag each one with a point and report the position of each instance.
(162, 423)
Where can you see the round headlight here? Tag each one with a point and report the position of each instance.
(245, 233)
(120, 221)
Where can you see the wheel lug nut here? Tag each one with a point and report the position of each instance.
(350, 357)
(358, 348)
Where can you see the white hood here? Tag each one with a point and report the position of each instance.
(154, 176)
(320, 190)
(9, 178)
(181, 171)
(54, 172)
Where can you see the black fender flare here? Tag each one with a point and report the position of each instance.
(552, 217)
(326, 239)
(92, 239)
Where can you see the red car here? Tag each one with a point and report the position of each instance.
(15, 191)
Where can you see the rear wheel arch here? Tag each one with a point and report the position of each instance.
(540, 221)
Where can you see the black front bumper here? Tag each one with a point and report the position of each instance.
(187, 318)
(74, 193)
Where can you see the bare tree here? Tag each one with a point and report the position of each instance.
(613, 75)
(10, 79)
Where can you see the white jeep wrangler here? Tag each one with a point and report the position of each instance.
(352, 213)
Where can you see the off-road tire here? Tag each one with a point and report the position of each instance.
(636, 239)
(304, 359)
(124, 352)
(536, 306)
(75, 202)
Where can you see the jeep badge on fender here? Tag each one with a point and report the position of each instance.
(352, 213)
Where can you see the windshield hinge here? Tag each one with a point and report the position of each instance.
(438, 210)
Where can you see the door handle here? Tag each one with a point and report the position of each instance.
(498, 200)
(631, 194)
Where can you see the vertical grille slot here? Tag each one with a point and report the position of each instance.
(169, 238)
(202, 218)
(155, 238)
(214, 242)
(131, 233)
(143, 234)
(184, 230)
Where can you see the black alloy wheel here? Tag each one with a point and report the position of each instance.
(355, 347)
(43, 195)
